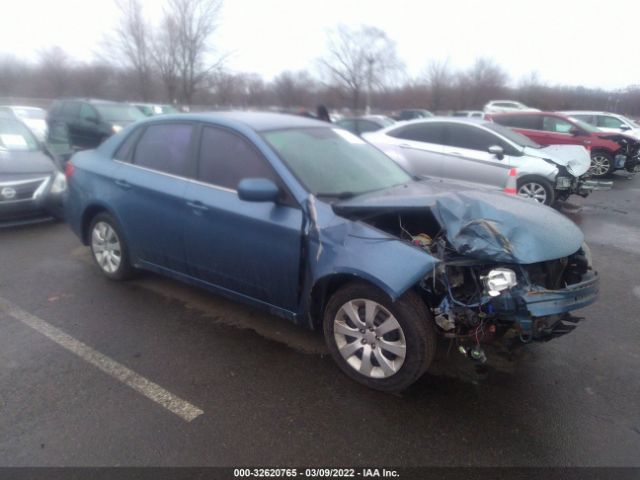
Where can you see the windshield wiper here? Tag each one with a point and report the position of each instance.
(339, 195)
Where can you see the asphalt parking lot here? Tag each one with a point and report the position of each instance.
(153, 372)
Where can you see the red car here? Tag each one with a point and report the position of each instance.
(609, 151)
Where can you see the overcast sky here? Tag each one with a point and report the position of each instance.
(577, 42)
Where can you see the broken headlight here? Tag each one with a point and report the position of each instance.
(499, 279)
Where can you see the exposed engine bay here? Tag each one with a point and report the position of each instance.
(628, 147)
(476, 301)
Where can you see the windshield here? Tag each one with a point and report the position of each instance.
(333, 162)
(32, 113)
(512, 136)
(14, 136)
(119, 113)
(585, 126)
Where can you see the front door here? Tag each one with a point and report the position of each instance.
(249, 248)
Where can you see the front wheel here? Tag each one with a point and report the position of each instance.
(536, 188)
(382, 344)
(601, 164)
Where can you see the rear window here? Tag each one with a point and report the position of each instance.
(530, 122)
(165, 148)
(422, 132)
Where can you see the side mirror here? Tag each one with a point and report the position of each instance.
(257, 190)
(497, 150)
(575, 131)
(624, 128)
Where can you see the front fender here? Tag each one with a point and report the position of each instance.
(355, 248)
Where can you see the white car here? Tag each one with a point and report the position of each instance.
(484, 152)
(468, 114)
(608, 122)
(504, 106)
(33, 117)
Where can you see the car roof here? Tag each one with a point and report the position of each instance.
(94, 101)
(588, 112)
(26, 107)
(258, 121)
(462, 120)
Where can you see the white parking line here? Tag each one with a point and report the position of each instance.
(152, 391)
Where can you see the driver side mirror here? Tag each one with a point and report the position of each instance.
(624, 128)
(497, 150)
(258, 190)
(575, 131)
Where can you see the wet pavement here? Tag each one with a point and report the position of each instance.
(269, 393)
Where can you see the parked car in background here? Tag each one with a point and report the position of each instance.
(310, 222)
(32, 117)
(411, 114)
(151, 109)
(469, 114)
(607, 122)
(609, 151)
(89, 121)
(483, 152)
(499, 106)
(368, 123)
(31, 184)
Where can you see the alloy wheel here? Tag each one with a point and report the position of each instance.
(369, 338)
(106, 247)
(534, 191)
(600, 165)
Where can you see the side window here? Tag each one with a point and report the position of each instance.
(87, 112)
(585, 118)
(471, 138)
(555, 124)
(226, 158)
(165, 147)
(125, 150)
(530, 122)
(367, 126)
(348, 125)
(71, 109)
(424, 132)
(609, 122)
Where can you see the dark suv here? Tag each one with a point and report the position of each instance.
(89, 121)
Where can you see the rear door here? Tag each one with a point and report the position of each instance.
(421, 147)
(467, 157)
(250, 248)
(155, 165)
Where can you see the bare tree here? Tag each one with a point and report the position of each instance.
(165, 57)
(360, 59)
(192, 24)
(484, 81)
(439, 79)
(293, 89)
(130, 45)
(55, 71)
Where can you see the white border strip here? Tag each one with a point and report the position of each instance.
(152, 391)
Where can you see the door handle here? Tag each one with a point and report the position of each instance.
(123, 184)
(198, 205)
(457, 154)
(405, 145)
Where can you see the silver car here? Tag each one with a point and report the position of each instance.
(483, 152)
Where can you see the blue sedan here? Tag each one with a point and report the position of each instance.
(311, 223)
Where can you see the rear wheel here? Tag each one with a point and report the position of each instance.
(601, 164)
(536, 188)
(108, 247)
(382, 344)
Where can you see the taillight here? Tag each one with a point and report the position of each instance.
(69, 169)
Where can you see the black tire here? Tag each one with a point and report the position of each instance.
(601, 164)
(531, 183)
(124, 268)
(416, 324)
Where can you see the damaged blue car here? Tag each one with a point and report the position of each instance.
(313, 224)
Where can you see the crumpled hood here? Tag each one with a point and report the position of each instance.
(16, 162)
(575, 158)
(484, 225)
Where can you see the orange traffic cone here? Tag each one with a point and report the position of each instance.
(511, 188)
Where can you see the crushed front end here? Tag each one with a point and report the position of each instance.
(479, 303)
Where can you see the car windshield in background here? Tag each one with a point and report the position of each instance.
(333, 162)
(34, 113)
(515, 137)
(15, 136)
(119, 113)
(585, 126)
